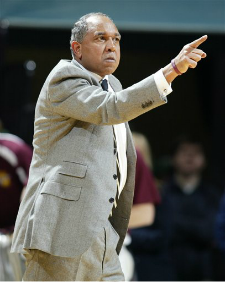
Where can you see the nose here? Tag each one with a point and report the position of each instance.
(110, 46)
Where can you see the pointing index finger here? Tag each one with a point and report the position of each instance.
(197, 42)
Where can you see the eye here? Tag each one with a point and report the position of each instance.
(101, 38)
(116, 39)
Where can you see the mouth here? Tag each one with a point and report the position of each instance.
(110, 60)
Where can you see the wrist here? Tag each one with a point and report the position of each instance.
(169, 73)
(175, 67)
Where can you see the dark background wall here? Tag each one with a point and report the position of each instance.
(196, 105)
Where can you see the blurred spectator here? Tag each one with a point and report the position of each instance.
(142, 145)
(220, 226)
(142, 213)
(15, 157)
(147, 241)
(219, 265)
(145, 194)
(189, 209)
(150, 249)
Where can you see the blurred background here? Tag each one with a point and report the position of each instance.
(35, 35)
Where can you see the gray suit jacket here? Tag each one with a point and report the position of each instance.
(71, 175)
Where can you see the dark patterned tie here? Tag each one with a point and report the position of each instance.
(104, 84)
(105, 87)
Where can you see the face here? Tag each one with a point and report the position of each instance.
(99, 51)
(189, 159)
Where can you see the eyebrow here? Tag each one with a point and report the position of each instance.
(103, 33)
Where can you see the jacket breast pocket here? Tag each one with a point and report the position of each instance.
(73, 169)
(71, 173)
(66, 192)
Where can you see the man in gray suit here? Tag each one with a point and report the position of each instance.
(75, 213)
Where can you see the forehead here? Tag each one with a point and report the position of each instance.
(101, 24)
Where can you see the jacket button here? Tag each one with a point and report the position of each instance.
(115, 176)
(111, 200)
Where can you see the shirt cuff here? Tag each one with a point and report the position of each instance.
(163, 86)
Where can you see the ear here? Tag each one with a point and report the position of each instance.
(76, 46)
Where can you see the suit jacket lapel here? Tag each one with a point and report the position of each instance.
(94, 79)
(114, 84)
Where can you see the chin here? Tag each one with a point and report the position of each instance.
(110, 70)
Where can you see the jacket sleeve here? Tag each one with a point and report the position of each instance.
(72, 94)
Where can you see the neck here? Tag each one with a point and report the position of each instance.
(97, 76)
(188, 183)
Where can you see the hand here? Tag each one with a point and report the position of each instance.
(190, 55)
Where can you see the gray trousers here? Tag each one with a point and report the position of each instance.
(99, 263)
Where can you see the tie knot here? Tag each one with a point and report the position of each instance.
(104, 84)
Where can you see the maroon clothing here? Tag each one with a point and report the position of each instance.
(145, 188)
(15, 158)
